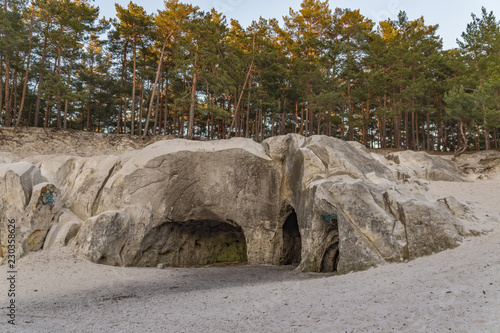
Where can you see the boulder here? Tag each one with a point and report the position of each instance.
(486, 164)
(62, 232)
(411, 165)
(101, 238)
(45, 204)
(18, 180)
(347, 201)
(29, 201)
(228, 185)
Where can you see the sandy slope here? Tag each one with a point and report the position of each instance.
(456, 290)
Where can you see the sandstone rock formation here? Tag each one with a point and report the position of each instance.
(420, 165)
(29, 200)
(485, 164)
(322, 203)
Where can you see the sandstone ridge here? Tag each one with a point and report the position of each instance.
(319, 202)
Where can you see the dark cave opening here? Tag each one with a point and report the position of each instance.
(330, 260)
(195, 243)
(292, 241)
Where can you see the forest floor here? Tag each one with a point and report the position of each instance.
(453, 291)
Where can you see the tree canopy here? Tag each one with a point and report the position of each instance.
(190, 73)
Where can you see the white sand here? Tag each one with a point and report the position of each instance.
(453, 291)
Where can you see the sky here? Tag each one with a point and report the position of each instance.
(451, 15)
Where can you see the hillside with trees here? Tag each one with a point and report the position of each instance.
(189, 73)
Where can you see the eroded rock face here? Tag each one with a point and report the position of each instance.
(233, 182)
(32, 203)
(484, 164)
(420, 165)
(319, 202)
(347, 200)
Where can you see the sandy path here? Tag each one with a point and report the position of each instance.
(453, 291)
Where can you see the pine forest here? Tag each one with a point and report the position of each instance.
(185, 72)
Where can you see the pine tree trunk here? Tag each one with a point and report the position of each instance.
(486, 135)
(351, 112)
(247, 127)
(301, 120)
(155, 86)
(25, 84)
(462, 139)
(365, 124)
(407, 140)
(165, 119)
(307, 121)
(192, 106)
(249, 73)
(428, 120)
(413, 132)
(40, 82)
(141, 108)
(397, 130)
(477, 139)
(132, 125)
(417, 139)
(440, 133)
(309, 126)
(318, 125)
(167, 113)
(157, 125)
(47, 113)
(66, 101)
(283, 119)
(14, 96)
(296, 122)
(7, 92)
(1, 84)
(59, 56)
(91, 90)
(384, 123)
(88, 109)
(29, 116)
(445, 137)
(121, 117)
(495, 138)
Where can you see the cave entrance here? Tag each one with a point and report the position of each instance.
(331, 257)
(194, 243)
(292, 241)
(330, 260)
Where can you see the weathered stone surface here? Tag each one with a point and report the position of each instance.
(374, 216)
(34, 220)
(484, 163)
(62, 232)
(101, 238)
(322, 203)
(28, 201)
(44, 205)
(411, 165)
(18, 180)
(232, 182)
(429, 228)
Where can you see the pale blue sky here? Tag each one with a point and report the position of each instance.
(451, 15)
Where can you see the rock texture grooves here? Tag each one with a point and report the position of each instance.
(319, 202)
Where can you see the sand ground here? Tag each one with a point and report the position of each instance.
(453, 291)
